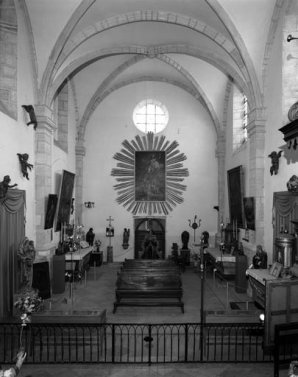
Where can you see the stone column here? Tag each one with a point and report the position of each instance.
(256, 133)
(221, 156)
(43, 175)
(80, 153)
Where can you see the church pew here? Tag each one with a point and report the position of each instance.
(150, 270)
(149, 262)
(148, 290)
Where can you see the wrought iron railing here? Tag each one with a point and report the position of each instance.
(133, 343)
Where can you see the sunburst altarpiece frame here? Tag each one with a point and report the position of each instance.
(150, 172)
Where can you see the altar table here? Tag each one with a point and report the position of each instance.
(225, 264)
(78, 261)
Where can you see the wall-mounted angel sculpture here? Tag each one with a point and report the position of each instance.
(30, 110)
(4, 186)
(275, 156)
(23, 158)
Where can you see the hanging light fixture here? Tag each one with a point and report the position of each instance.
(89, 204)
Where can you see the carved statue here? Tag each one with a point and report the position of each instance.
(259, 260)
(23, 158)
(31, 112)
(292, 184)
(275, 162)
(4, 186)
(90, 236)
(185, 239)
(26, 256)
(126, 234)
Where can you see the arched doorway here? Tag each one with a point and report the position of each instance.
(142, 228)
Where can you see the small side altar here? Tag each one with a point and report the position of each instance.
(78, 261)
(224, 263)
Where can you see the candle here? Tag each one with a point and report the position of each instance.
(236, 231)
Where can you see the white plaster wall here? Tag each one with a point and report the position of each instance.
(17, 137)
(189, 125)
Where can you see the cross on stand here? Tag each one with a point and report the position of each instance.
(110, 234)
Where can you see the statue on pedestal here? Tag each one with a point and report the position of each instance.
(185, 239)
(26, 256)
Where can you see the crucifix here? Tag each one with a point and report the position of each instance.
(110, 230)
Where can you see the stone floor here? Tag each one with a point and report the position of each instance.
(96, 292)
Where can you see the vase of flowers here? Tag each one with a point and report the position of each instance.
(97, 245)
(28, 303)
(195, 257)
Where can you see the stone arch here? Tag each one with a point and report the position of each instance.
(236, 54)
(99, 95)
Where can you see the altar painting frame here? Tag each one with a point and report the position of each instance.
(65, 199)
(150, 176)
(235, 191)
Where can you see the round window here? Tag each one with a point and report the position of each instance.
(150, 116)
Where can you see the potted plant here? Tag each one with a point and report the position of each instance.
(195, 257)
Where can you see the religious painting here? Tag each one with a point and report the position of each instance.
(51, 210)
(150, 176)
(235, 191)
(65, 198)
(110, 232)
(249, 211)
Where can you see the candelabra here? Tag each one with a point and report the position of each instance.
(195, 225)
(89, 204)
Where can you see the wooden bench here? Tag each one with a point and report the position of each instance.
(149, 262)
(150, 270)
(148, 290)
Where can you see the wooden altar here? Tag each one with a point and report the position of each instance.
(278, 298)
(78, 261)
(224, 263)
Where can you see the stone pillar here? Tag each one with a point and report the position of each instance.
(256, 133)
(43, 176)
(80, 153)
(221, 158)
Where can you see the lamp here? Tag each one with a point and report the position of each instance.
(290, 38)
(262, 318)
(89, 204)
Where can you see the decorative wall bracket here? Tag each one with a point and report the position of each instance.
(290, 132)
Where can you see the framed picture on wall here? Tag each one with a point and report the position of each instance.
(249, 211)
(51, 210)
(235, 191)
(150, 176)
(65, 198)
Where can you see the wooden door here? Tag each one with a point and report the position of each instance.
(142, 226)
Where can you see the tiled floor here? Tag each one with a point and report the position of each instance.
(96, 292)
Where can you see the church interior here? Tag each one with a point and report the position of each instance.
(149, 130)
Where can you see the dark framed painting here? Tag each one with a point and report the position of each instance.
(235, 192)
(249, 212)
(51, 210)
(65, 198)
(110, 232)
(150, 176)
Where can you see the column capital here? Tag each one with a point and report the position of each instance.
(80, 150)
(45, 117)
